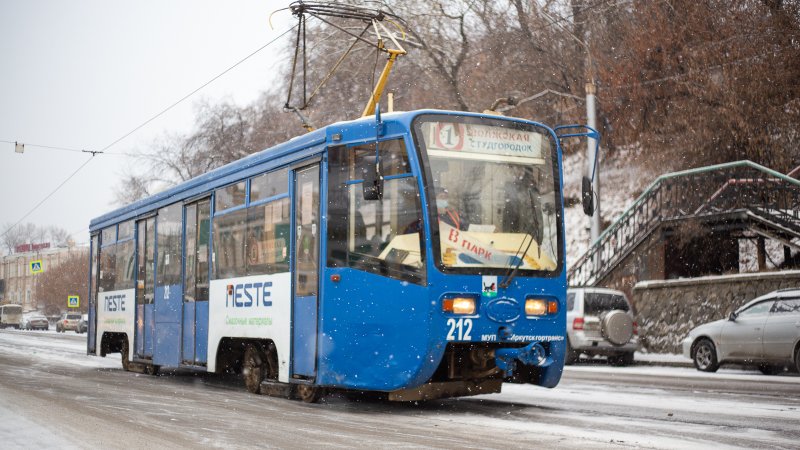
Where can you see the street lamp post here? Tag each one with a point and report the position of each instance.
(593, 164)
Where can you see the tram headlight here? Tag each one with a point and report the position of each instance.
(535, 307)
(540, 307)
(459, 305)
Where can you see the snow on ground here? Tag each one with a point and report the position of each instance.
(663, 358)
(71, 349)
(19, 432)
(595, 406)
(731, 374)
(678, 431)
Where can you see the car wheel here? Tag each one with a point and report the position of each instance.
(571, 356)
(770, 369)
(622, 359)
(626, 358)
(705, 356)
(797, 359)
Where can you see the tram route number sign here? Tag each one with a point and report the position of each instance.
(36, 266)
(73, 301)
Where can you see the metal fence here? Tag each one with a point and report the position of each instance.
(763, 194)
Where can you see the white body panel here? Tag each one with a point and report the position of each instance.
(248, 313)
(116, 313)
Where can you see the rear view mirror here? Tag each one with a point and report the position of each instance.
(587, 196)
(373, 180)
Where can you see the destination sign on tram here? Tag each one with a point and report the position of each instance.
(482, 139)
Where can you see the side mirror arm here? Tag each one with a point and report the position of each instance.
(587, 194)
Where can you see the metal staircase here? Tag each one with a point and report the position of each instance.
(744, 191)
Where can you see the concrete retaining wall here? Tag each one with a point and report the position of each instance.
(668, 310)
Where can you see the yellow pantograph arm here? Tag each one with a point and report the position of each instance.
(376, 94)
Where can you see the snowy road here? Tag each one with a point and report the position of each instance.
(53, 395)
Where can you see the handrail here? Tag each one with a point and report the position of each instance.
(654, 206)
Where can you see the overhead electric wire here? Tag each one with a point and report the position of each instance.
(142, 125)
(198, 89)
(67, 149)
(48, 196)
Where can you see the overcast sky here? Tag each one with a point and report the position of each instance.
(81, 74)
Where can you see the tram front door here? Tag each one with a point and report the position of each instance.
(145, 260)
(305, 295)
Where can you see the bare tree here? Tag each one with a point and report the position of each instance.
(683, 82)
(708, 82)
(68, 278)
(29, 233)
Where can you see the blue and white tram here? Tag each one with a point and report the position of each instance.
(428, 265)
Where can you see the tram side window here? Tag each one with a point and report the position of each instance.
(229, 236)
(125, 265)
(267, 245)
(229, 196)
(125, 230)
(108, 264)
(109, 235)
(168, 228)
(269, 185)
(195, 282)
(381, 236)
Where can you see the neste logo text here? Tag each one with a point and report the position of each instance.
(247, 295)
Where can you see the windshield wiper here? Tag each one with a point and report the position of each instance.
(535, 233)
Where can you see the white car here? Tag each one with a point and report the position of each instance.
(600, 322)
(764, 332)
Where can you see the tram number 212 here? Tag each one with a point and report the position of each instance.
(459, 329)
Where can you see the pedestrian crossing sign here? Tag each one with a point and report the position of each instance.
(36, 266)
(73, 301)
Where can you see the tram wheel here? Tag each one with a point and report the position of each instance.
(254, 367)
(151, 369)
(308, 393)
(126, 364)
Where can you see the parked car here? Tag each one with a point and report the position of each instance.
(35, 321)
(764, 332)
(68, 321)
(83, 324)
(600, 322)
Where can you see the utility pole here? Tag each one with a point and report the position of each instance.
(591, 119)
(593, 165)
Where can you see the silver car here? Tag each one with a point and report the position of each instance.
(765, 332)
(35, 321)
(600, 322)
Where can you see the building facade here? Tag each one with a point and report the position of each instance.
(18, 271)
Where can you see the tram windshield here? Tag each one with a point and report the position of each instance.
(495, 188)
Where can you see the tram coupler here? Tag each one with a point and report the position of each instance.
(531, 355)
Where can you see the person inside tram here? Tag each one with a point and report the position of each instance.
(447, 213)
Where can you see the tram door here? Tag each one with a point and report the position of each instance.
(194, 349)
(305, 295)
(145, 259)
